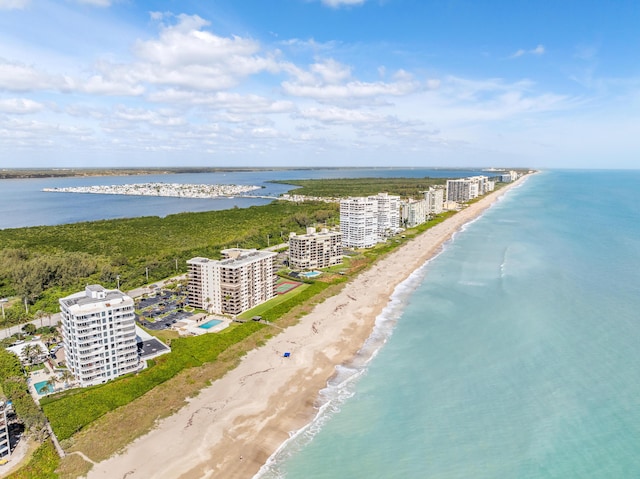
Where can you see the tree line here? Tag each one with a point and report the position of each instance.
(38, 265)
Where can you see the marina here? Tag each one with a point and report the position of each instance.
(172, 190)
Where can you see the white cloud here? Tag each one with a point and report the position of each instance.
(336, 115)
(331, 71)
(13, 4)
(350, 90)
(15, 76)
(537, 51)
(99, 85)
(329, 80)
(161, 118)
(96, 3)
(342, 3)
(20, 106)
(233, 102)
(187, 56)
(311, 44)
(19, 132)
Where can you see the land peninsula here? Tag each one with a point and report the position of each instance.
(231, 428)
(11, 173)
(174, 190)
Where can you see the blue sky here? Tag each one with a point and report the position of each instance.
(320, 83)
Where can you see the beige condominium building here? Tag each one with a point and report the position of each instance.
(99, 332)
(315, 249)
(241, 280)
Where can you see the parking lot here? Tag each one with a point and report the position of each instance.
(162, 310)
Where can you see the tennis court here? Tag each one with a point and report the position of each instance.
(283, 286)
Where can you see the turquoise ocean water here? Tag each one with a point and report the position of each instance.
(515, 353)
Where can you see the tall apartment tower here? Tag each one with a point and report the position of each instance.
(435, 200)
(465, 189)
(99, 332)
(315, 250)
(359, 222)
(243, 279)
(413, 212)
(461, 190)
(388, 214)
(5, 447)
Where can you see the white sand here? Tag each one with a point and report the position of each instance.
(232, 427)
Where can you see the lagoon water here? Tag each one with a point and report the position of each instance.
(23, 203)
(515, 353)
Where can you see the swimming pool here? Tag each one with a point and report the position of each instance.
(210, 324)
(311, 274)
(43, 388)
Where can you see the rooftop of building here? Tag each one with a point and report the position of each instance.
(92, 295)
(235, 257)
(313, 233)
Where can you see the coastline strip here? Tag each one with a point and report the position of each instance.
(234, 426)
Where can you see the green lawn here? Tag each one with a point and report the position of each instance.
(281, 298)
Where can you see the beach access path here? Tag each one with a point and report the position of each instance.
(232, 427)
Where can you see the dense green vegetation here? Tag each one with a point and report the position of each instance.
(68, 413)
(45, 263)
(7, 173)
(13, 383)
(344, 187)
(41, 466)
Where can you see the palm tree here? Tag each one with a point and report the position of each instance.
(31, 353)
(49, 386)
(66, 376)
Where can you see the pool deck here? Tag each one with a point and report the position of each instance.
(311, 274)
(45, 375)
(191, 326)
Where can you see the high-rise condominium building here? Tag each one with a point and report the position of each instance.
(99, 332)
(435, 200)
(240, 281)
(315, 250)
(365, 221)
(359, 222)
(508, 177)
(388, 214)
(413, 212)
(461, 190)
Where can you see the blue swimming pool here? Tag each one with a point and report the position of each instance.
(43, 388)
(210, 324)
(311, 274)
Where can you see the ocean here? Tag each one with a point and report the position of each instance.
(514, 353)
(23, 203)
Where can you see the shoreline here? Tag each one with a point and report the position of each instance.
(233, 427)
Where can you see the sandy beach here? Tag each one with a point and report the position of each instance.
(232, 427)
